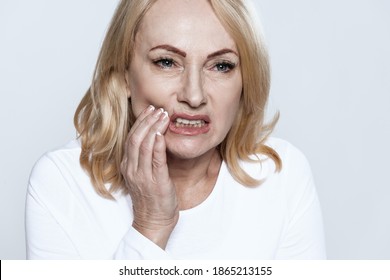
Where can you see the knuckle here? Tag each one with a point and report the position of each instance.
(145, 148)
(156, 163)
(134, 140)
(124, 168)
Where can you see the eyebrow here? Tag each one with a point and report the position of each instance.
(221, 52)
(170, 49)
(183, 54)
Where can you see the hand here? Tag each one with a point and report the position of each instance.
(145, 170)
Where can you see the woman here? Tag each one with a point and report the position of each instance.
(173, 158)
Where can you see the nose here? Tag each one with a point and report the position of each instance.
(192, 91)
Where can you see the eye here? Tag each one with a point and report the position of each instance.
(164, 62)
(224, 66)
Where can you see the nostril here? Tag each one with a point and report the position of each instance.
(193, 92)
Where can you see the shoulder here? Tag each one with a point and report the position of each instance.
(293, 159)
(296, 177)
(56, 166)
(285, 149)
(67, 154)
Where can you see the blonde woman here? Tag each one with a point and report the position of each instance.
(174, 158)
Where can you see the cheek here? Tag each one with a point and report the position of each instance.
(147, 89)
(226, 97)
(230, 112)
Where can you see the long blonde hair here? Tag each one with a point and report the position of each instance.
(104, 115)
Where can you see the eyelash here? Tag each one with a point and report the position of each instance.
(227, 66)
(159, 62)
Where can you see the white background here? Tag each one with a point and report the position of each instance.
(331, 83)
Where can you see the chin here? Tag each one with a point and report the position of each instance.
(187, 149)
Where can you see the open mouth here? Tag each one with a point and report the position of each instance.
(190, 125)
(180, 122)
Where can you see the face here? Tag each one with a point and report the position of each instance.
(185, 62)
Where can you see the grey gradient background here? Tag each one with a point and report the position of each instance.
(331, 84)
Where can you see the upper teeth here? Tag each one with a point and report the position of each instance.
(192, 122)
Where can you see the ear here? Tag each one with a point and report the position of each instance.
(127, 83)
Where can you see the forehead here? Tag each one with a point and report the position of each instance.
(186, 24)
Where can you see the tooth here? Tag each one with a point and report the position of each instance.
(179, 122)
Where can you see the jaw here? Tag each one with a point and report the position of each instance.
(188, 147)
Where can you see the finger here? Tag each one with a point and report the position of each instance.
(147, 146)
(147, 111)
(137, 137)
(160, 168)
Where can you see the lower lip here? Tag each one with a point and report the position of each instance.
(189, 131)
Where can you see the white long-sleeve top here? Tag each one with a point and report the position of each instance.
(280, 219)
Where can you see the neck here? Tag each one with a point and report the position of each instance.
(194, 179)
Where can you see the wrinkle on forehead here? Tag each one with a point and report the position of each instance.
(188, 25)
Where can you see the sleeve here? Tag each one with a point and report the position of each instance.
(303, 236)
(60, 225)
(135, 246)
(45, 238)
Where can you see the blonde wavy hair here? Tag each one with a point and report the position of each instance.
(104, 115)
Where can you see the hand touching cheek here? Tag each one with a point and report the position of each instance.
(144, 167)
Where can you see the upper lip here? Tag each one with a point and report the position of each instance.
(190, 117)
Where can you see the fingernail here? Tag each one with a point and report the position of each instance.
(151, 108)
(159, 133)
(159, 112)
(165, 115)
